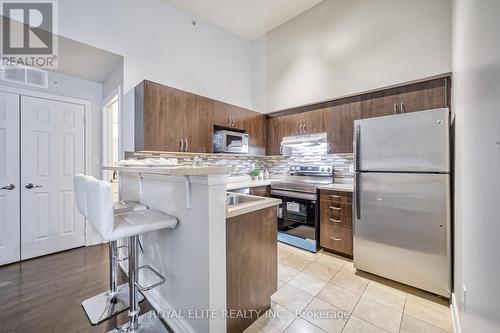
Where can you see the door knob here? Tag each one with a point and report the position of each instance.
(29, 186)
(9, 187)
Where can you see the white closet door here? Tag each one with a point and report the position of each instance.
(9, 178)
(52, 151)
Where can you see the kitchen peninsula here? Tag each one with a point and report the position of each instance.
(205, 284)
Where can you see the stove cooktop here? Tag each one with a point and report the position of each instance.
(305, 179)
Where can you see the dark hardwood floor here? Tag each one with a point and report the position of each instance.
(45, 294)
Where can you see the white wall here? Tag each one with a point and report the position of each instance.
(476, 105)
(159, 43)
(341, 47)
(114, 80)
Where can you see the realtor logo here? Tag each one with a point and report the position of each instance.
(29, 33)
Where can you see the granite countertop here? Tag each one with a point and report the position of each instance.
(238, 184)
(338, 187)
(252, 206)
(182, 170)
(235, 185)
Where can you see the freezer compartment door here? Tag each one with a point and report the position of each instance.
(402, 229)
(411, 142)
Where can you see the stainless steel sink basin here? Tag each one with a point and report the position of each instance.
(238, 199)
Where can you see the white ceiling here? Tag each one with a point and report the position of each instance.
(247, 18)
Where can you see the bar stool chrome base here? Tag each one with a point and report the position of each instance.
(105, 305)
(148, 323)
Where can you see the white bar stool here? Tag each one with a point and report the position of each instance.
(130, 225)
(114, 300)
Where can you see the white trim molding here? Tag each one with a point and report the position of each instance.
(454, 315)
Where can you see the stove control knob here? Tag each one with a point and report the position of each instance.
(328, 170)
(322, 169)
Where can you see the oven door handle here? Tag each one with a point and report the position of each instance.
(296, 195)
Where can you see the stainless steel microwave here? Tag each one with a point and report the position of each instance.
(230, 142)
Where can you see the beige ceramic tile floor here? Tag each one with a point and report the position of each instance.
(321, 293)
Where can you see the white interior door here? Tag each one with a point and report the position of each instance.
(9, 179)
(52, 151)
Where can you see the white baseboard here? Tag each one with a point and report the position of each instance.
(454, 315)
(177, 324)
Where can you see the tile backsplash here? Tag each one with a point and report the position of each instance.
(277, 165)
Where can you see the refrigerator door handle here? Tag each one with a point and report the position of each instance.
(356, 147)
(358, 197)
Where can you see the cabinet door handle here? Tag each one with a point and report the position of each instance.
(229, 121)
(187, 145)
(334, 196)
(395, 108)
(335, 208)
(300, 128)
(402, 107)
(305, 128)
(335, 221)
(182, 144)
(9, 187)
(335, 238)
(29, 186)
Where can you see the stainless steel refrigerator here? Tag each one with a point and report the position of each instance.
(402, 222)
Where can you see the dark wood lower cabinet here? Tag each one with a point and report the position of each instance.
(261, 191)
(336, 239)
(336, 221)
(251, 265)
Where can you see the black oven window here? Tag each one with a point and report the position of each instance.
(233, 140)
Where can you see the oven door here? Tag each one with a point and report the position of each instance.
(297, 214)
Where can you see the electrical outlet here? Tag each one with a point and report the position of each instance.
(464, 298)
(151, 253)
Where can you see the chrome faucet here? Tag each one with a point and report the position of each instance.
(197, 161)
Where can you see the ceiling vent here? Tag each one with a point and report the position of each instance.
(30, 76)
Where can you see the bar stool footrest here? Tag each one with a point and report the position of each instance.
(155, 272)
(117, 258)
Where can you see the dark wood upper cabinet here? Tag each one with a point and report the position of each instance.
(274, 135)
(338, 122)
(198, 125)
(168, 119)
(425, 96)
(237, 118)
(411, 98)
(337, 117)
(311, 122)
(157, 108)
(227, 115)
(256, 127)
